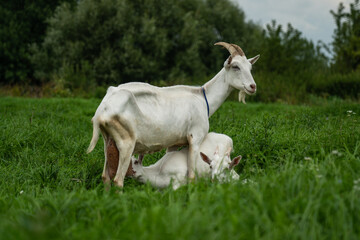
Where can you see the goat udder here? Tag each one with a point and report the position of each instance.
(112, 156)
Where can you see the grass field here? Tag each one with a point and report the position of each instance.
(299, 177)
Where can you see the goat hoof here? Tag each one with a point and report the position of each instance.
(118, 184)
(191, 175)
(191, 179)
(119, 191)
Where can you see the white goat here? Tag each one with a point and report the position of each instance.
(140, 118)
(172, 167)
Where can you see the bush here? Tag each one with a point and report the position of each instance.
(22, 23)
(298, 88)
(273, 87)
(123, 40)
(336, 84)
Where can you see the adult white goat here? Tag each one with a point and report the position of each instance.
(172, 167)
(140, 118)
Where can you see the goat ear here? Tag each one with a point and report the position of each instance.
(227, 63)
(229, 60)
(254, 59)
(235, 161)
(205, 158)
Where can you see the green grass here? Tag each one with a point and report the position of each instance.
(299, 177)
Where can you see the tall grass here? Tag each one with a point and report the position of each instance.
(299, 177)
(298, 87)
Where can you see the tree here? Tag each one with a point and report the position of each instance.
(22, 23)
(117, 41)
(288, 52)
(346, 38)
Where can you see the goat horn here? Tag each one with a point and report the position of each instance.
(232, 48)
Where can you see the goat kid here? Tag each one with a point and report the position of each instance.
(172, 167)
(138, 118)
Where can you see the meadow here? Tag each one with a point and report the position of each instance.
(299, 177)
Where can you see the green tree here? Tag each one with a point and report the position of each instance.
(346, 38)
(22, 22)
(288, 52)
(117, 41)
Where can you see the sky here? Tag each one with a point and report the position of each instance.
(311, 17)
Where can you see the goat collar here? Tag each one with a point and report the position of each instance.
(207, 104)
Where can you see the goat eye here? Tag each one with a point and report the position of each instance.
(236, 68)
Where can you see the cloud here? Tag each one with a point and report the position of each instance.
(311, 17)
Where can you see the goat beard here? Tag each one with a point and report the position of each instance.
(242, 95)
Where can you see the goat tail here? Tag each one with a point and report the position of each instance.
(95, 136)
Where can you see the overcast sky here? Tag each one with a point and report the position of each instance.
(311, 17)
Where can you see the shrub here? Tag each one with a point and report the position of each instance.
(336, 84)
(122, 40)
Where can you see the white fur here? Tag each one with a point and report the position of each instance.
(172, 167)
(142, 118)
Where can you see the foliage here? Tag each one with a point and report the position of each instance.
(125, 40)
(299, 177)
(85, 46)
(22, 23)
(346, 44)
(301, 87)
(287, 52)
(336, 84)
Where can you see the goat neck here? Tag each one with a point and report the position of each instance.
(217, 90)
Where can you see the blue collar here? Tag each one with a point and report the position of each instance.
(207, 104)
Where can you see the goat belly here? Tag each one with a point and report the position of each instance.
(149, 147)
